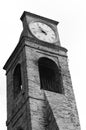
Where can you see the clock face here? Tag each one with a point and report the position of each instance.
(42, 31)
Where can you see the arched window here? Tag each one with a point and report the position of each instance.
(17, 83)
(50, 76)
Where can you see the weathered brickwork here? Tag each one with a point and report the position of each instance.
(62, 106)
(35, 108)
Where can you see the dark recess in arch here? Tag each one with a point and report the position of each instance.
(17, 82)
(50, 75)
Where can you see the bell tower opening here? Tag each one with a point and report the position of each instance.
(50, 76)
(17, 82)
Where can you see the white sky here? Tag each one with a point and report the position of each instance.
(72, 30)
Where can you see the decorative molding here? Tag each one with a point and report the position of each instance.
(37, 16)
(22, 43)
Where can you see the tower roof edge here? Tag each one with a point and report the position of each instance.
(38, 16)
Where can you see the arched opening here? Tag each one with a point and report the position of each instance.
(50, 76)
(17, 82)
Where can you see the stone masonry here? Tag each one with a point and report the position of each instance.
(35, 108)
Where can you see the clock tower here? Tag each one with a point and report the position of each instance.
(39, 89)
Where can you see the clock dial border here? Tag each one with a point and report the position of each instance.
(47, 25)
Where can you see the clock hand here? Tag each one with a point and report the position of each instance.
(42, 30)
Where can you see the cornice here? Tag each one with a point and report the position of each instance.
(32, 41)
(37, 16)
